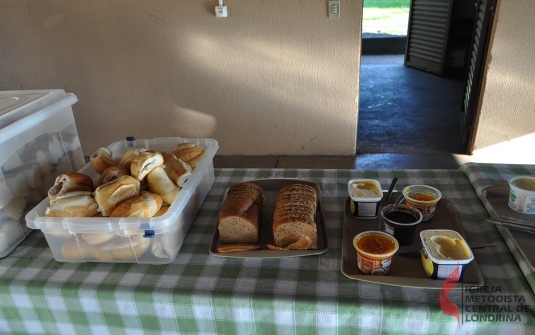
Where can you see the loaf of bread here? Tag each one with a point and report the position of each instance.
(102, 159)
(129, 248)
(110, 195)
(162, 210)
(189, 153)
(144, 206)
(119, 248)
(162, 185)
(128, 157)
(77, 206)
(239, 216)
(143, 164)
(294, 225)
(176, 169)
(112, 173)
(70, 185)
(98, 238)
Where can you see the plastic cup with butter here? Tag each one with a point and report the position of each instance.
(366, 195)
(522, 194)
(375, 250)
(422, 197)
(445, 254)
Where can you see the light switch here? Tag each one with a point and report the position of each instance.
(334, 9)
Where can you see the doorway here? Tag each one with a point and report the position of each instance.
(407, 110)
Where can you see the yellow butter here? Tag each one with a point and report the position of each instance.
(451, 248)
(446, 245)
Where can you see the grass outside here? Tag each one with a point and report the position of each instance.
(385, 17)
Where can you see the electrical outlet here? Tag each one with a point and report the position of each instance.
(334, 9)
(221, 11)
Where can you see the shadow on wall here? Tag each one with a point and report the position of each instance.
(259, 82)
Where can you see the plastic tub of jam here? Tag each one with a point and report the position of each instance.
(522, 194)
(401, 221)
(366, 195)
(422, 197)
(445, 254)
(375, 250)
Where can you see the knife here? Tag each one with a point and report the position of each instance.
(511, 224)
(417, 253)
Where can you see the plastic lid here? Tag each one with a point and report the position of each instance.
(15, 105)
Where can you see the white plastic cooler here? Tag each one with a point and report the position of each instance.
(38, 141)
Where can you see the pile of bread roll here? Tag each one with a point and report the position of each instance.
(141, 183)
(294, 226)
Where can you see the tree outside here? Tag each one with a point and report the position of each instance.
(385, 17)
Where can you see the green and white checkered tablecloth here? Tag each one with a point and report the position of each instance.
(201, 294)
(482, 175)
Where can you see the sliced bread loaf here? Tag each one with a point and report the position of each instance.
(294, 225)
(239, 216)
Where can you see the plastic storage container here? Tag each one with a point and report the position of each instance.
(365, 205)
(522, 194)
(38, 141)
(445, 254)
(154, 240)
(375, 250)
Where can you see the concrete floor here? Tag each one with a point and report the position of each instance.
(378, 161)
(408, 119)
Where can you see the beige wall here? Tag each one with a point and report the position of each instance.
(275, 77)
(506, 125)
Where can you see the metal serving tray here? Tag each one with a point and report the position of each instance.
(405, 271)
(271, 188)
(498, 198)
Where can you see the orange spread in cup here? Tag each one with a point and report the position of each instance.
(376, 244)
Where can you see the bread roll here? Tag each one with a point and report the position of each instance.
(69, 185)
(132, 252)
(127, 248)
(160, 183)
(102, 159)
(144, 206)
(239, 216)
(112, 173)
(98, 238)
(126, 159)
(77, 206)
(143, 164)
(178, 170)
(110, 195)
(81, 250)
(184, 145)
(294, 225)
(191, 156)
(162, 211)
(78, 250)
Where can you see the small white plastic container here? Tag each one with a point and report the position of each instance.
(364, 207)
(522, 194)
(38, 141)
(435, 264)
(154, 240)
